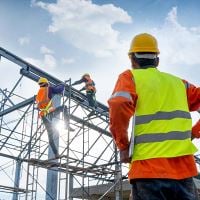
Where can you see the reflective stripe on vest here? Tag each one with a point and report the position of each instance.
(122, 94)
(161, 116)
(163, 122)
(47, 109)
(159, 137)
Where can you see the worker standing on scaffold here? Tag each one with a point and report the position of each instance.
(90, 91)
(49, 103)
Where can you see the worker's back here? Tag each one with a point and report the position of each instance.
(158, 90)
(162, 116)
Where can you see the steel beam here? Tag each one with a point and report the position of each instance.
(18, 106)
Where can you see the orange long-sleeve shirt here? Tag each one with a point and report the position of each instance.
(196, 130)
(121, 109)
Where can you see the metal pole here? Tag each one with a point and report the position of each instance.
(29, 154)
(11, 92)
(71, 185)
(118, 193)
(17, 178)
(68, 143)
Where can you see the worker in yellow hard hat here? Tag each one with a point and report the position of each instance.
(49, 103)
(45, 95)
(43, 80)
(160, 152)
(90, 91)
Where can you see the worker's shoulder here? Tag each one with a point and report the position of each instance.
(126, 74)
(169, 74)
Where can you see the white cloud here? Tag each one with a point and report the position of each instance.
(178, 43)
(67, 61)
(85, 25)
(24, 41)
(47, 63)
(45, 50)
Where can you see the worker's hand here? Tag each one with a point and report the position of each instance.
(124, 156)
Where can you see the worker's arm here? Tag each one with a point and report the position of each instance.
(78, 82)
(193, 96)
(121, 109)
(58, 89)
(196, 130)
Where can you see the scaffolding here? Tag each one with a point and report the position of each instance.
(87, 159)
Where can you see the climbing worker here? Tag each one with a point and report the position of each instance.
(49, 103)
(162, 161)
(90, 91)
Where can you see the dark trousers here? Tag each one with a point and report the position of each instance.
(91, 99)
(50, 132)
(47, 120)
(163, 189)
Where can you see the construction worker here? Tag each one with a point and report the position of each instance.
(49, 103)
(90, 91)
(162, 161)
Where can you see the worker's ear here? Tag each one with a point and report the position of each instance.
(134, 63)
(157, 61)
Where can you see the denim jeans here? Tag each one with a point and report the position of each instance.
(47, 120)
(163, 189)
(51, 135)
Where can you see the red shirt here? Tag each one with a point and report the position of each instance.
(122, 109)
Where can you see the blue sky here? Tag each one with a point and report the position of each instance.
(70, 37)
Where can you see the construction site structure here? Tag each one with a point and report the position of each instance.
(88, 164)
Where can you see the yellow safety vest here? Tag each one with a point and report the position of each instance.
(162, 119)
(44, 103)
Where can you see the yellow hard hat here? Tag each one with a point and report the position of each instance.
(144, 43)
(42, 80)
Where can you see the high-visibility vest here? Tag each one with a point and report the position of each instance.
(89, 85)
(44, 103)
(162, 120)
